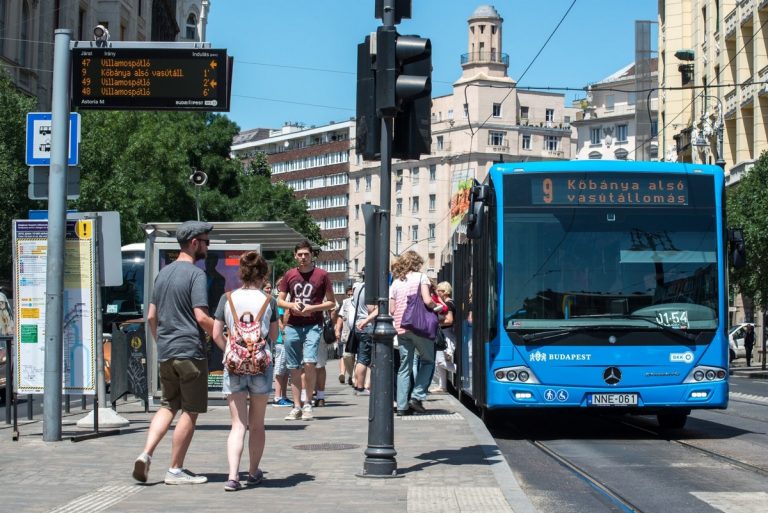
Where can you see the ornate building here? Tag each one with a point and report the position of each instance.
(27, 28)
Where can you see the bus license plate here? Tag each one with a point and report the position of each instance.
(612, 400)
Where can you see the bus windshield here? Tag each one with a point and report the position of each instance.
(596, 262)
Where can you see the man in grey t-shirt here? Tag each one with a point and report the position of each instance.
(178, 318)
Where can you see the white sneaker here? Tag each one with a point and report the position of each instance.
(141, 468)
(185, 477)
(295, 414)
(306, 413)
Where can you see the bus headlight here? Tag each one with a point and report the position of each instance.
(703, 373)
(517, 374)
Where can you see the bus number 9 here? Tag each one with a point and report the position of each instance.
(546, 189)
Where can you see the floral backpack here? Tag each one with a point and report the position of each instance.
(247, 349)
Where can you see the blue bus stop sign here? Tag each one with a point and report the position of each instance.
(39, 139)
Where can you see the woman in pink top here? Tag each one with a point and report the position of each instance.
(408, 280)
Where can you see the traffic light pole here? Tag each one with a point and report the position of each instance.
(380, 454)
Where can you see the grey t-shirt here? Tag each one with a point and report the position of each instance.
(179, 288)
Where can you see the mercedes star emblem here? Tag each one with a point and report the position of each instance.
(612, 375)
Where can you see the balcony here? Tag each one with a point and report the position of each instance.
(497, 148)
(485, 58)
(747, 93)
(543, 123)
(730, 104)
(553, 154)
(747, 9)
(763, 77)
(730, 25)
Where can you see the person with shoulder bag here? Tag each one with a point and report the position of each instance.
(248, 315)
(411, 287)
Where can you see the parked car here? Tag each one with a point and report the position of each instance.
(736, 335)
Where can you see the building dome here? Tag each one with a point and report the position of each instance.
(485, 11)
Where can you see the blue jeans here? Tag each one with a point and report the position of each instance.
(410, 344)
(301, 344)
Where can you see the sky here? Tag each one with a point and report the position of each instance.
(295, 60)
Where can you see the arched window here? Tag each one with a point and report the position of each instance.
(191, 32)
(24, 34)
(621, 154)
(595, 155)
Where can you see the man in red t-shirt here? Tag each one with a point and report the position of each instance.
(311, 294)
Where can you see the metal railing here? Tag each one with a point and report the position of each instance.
(485, 57)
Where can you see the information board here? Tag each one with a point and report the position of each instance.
(79, 330)
(150, 79)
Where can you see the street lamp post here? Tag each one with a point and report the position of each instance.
(719, 127)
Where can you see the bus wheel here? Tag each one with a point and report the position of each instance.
(672, 420)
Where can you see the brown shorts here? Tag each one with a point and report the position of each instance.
(185, 385)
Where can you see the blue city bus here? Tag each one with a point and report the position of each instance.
(593, 285)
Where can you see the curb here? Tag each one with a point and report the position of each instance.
(505, 478)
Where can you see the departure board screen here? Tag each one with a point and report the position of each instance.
(150, 79)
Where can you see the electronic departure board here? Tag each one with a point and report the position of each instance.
(605, 189)
(150, 79)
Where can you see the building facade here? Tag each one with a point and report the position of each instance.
(27, 31)
(717, 51)
(483, 121)
(607, 122)
(314, 162)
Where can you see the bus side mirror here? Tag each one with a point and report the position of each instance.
(738, 251)
(476, 218)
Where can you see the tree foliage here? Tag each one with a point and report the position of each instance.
(139, 163)
(747, 204)
(14, 106)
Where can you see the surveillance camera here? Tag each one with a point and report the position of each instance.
(101, 35)
(198, 178)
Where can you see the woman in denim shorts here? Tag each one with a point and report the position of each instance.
(246, 395)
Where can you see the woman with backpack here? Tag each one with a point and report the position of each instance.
(248, 316)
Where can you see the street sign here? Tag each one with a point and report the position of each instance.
(151, 78)
(39, 139)
(38, 183)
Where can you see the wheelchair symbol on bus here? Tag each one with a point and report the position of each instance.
(562, 395)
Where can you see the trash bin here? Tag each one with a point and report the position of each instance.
(128, 366)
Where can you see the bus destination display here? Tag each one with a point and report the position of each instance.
(150, 78)
(609, 190)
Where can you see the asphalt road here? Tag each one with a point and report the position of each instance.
(718, 462)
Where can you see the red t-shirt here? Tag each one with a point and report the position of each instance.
(309, 288)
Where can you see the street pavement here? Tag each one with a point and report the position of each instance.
(446, 462)
(739, 368)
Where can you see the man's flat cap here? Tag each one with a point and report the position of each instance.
(191, 229)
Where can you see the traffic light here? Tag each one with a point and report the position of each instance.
(403, 88)
(368, 138)
(413, 124)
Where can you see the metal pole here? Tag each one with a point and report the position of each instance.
(380, 454)
(101, 386)
(57, 224)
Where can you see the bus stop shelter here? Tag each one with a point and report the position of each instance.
(268, 237)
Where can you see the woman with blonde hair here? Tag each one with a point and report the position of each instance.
(408, 280)
(247, 395)
(444, 359)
